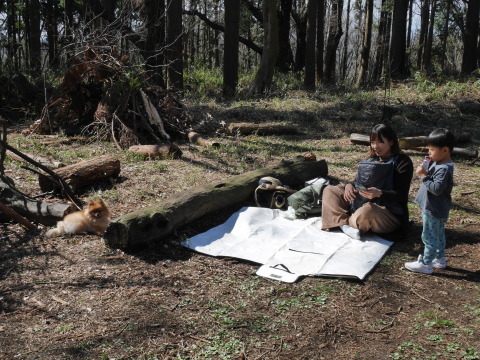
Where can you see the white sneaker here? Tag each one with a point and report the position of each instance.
(419, 267)
(440, 263)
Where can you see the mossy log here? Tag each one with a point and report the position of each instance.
(150, 225)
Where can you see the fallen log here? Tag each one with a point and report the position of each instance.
(150, 225)
(12, 214)
(46, 213)
(418, 143)
(49, 163)
(171, 151)
(84, 173)
(261, 129)
(198, 139)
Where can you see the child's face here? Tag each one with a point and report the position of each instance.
(438, 154)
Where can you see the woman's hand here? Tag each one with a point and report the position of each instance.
(349, 193)
(371, 193)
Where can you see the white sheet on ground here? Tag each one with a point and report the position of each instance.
(289, 249)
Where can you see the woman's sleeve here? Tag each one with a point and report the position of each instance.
(401, 181)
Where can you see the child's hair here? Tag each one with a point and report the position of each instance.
(381, 131)
(441, 138)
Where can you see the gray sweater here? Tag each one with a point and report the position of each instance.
(434, 196)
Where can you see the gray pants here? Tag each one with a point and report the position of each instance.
(336, 212)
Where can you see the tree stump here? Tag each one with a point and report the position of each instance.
(150, 225)
(84, 173)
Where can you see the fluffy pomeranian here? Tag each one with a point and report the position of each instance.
(94, 219)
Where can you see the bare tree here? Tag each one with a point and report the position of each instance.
(230, 47)
(398, 47)
(320, 38)
(367, 42)
(309, 81)
(174, 45)
(427, 58)
(334, 35)
(264, 76)
(423, 32)
(33, 35)
(470, 56)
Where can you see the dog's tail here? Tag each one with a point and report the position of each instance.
(59, 230)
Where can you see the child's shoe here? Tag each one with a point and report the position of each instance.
(419, 267)
(440, 263)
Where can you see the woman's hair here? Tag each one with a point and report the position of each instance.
(381, 131)
(441, 138)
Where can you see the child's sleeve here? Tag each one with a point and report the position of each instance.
(437, 182)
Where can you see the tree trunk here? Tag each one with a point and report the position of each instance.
(423, 33)
(409, 32)
(334, 35)
(309, 81)
(230, 47)
(171, 151)
(427, 58)
(84, 173)
(380, 45)
(52, 33)
(301, 40)
(174, 45)
(398, 42)
(345, 43)
(470, 56)
(443, 55)
(285, 55)
(151, 225)
(264, 77)
(154, 15)
(33, 34)
(366, 45)
(320, 39)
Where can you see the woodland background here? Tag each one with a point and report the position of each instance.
(352, 43)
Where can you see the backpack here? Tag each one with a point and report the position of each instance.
(270, 193)
(376, 174)
(308, 201)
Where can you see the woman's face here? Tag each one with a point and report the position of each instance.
(382, 148)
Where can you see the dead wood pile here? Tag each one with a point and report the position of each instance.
(102, 95)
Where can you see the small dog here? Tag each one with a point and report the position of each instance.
(95, 218)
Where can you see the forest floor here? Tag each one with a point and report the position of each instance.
(74, 298)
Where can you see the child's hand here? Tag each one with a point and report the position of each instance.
(420, 171)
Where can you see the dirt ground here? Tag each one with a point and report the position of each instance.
(75, 298)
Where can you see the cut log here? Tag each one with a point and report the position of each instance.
(412, 143)
(198, 139)
(51, 164)
(46, 213)
(171, 151)
(261, 129)
(84, 173)
(12, 214)
(150, 225)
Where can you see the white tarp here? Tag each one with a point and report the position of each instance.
(289, 249)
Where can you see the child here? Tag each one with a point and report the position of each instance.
(434, 198)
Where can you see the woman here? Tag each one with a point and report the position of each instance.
(377, 199)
